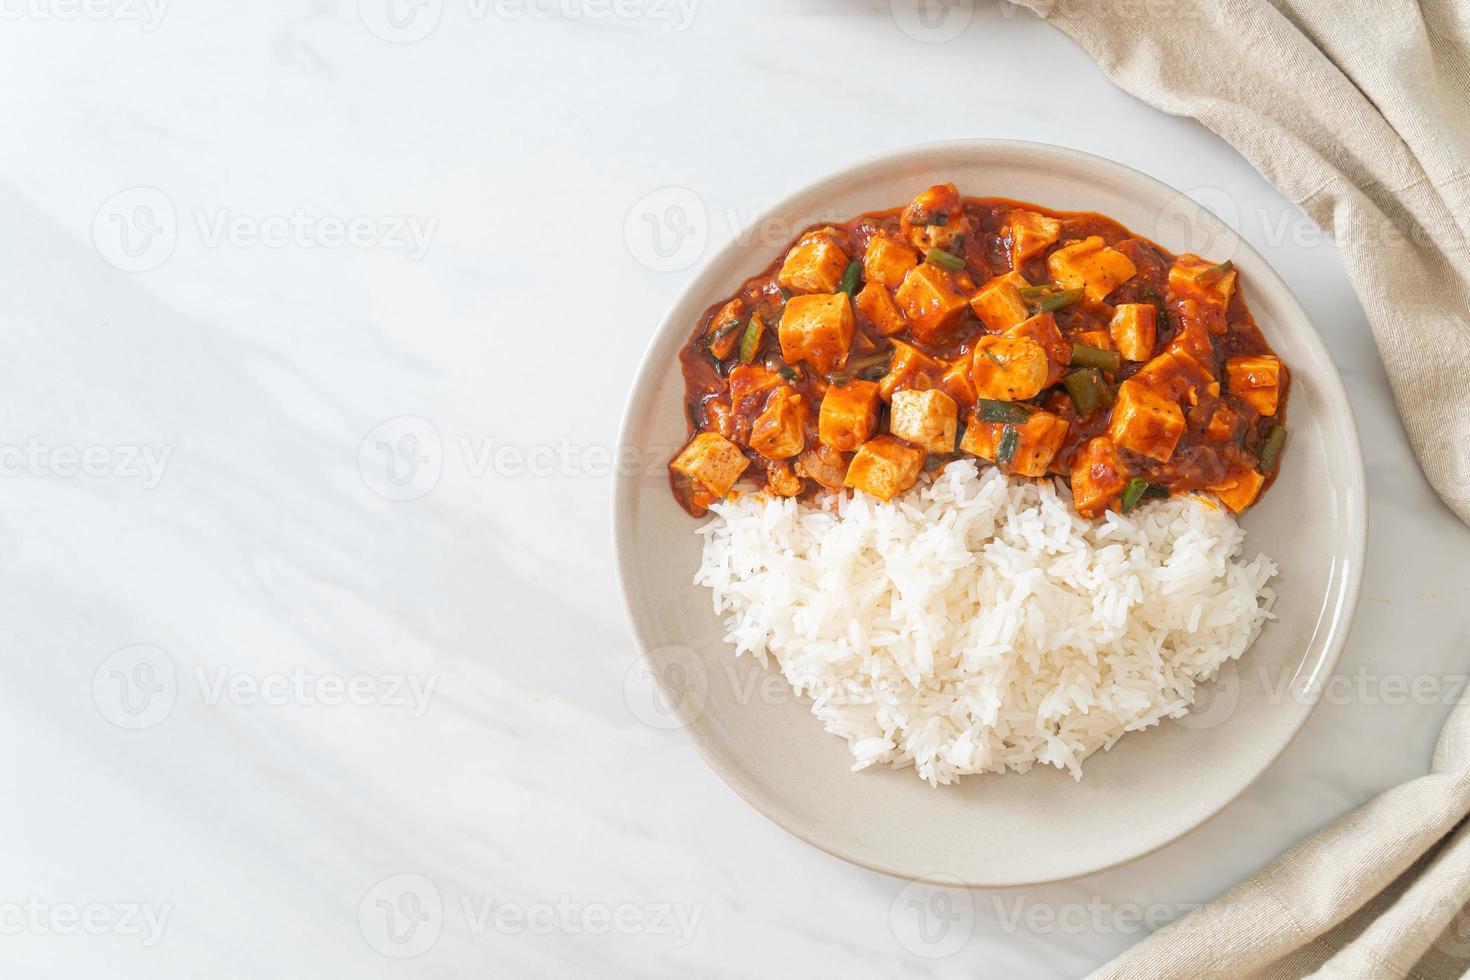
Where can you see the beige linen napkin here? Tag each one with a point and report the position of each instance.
(1359, 111)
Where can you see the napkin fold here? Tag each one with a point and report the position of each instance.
(1359, 112)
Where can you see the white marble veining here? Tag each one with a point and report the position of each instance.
(253, 255)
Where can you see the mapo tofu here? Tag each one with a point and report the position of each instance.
(1049, 344)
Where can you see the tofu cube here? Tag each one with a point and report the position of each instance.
(925, 418)
(1213, 282)
(1009, 369)
(818, 330)
(934, 206)
(1135, 329)
(981, 438)
(1100, 339)
(1091, 266)
(1256, 380)
(957, 383)
(935, 219)
(1098, 476)
(998, 304)
(885, 467)
(724, 330)
(1146, 422)
(934, 310)
(876, 306)
(1239, 489)
(887, 261)
(779, 432)
(815, 265)
(1038, 440)
(1031, 234)
(749, 386)
(849, 415)
(1193, 341)
(1043, 329)
(909, 367)
(712, 461)
(1199, 294)
(1175, 376)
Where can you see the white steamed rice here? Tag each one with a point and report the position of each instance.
(977, 624)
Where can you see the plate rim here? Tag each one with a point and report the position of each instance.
(1335, 392)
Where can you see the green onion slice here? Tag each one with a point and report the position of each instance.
(994, 411)
(1005, 451)
(943, 259)
(1214, 274)
(751, 339)
(1271, 448)
(1084, 356)
(1133, 492)
(720, 333)
(1053, 302)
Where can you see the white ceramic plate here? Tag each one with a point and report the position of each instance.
(1010, 829)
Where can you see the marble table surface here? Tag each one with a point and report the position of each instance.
(314, 662)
